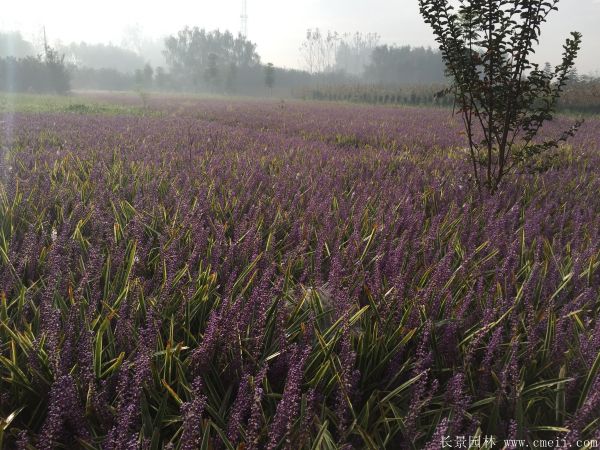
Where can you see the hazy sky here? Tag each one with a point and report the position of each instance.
(277, 26)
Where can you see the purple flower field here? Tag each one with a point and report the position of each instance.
(264, 275)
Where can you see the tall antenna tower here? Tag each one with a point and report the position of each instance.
(244, 18)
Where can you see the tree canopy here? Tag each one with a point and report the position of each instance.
(503, 96)
(194, 52)
(405, 64)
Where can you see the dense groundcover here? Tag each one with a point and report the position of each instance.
(254, 275)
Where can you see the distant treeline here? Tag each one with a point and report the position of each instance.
(581, 95)
(220, 62)
(362, 57)
(47, 74)
(340, 67)
(13, 44)
(406, 65)
(382, 94)
(35, 75)
(102, 56)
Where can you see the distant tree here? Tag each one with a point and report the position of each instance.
(331, 52)
(101, 79)
(503, 97)
(270, 76)
(57, 74)
(328, 50)
(101, 56)
(43, 74)
(308, 50)
(13, 44)
(319, 50)
(161, 77)
(573, 76)
(192, 51)
(148, 75)
(231, 78)
(211, 73)
(404, 65)
(139, 77)
(354, 52)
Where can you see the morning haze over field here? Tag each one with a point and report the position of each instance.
(277, 27)
(358, 225)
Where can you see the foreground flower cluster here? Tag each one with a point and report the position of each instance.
(270, 275)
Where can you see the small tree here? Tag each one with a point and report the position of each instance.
(57, 75)
(231, 78)
(148, 75)
(270, 77)
(503, 97)
(161, 77)
(139, 77)
(212, 70)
